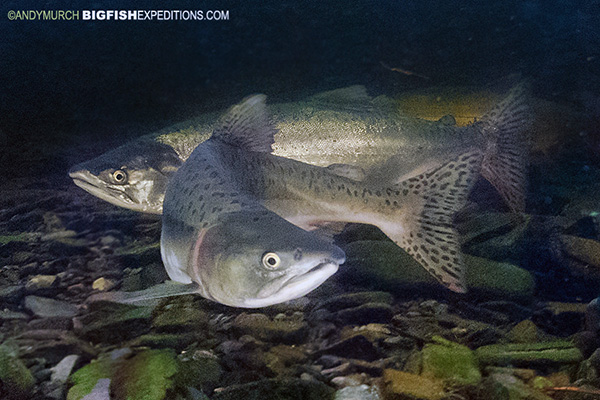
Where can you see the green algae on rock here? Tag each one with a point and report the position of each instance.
(399, 384)
(277, 389)
(146, 376)
(450, 362)
(386, 266)
(85, 379)
(525, 354)
(16, 381)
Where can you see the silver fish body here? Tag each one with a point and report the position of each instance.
(219, 236)
(344, 126)
(415, 213)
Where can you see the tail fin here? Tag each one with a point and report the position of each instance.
(427, 231)
(506, 157)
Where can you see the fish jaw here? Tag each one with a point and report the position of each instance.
(113, 194)
(297, 286)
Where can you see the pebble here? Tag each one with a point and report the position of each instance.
(60, 375)
(47, 308)
(103, 284)
(101, 391)
(357, 347)
(12, 294)
(365, 314)
(288, 330)
(361, 392)
(41, 282)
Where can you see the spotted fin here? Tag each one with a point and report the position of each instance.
(142, 297)
(248, 125)
(506, 159)
(428, 232)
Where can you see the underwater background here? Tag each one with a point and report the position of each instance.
(72, 90)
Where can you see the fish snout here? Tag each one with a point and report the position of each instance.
(338, 255)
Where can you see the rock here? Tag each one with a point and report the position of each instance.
(41, 282)
(182, 314)
(287, 330)
(592, 316)
(355, 299)
(103, 284)
(86, 379)
(587, 251)
(114, 323)
(56, 323)
(361, 392)
(595, 359)
(524, 332)
(6, 315)
(373, 332)
(47, 308)
(166, 340)
(277, 389)
(507, 387)
(146, 376)
(60, 375)
(357, 347)
(282, 357)
(450, 362)
(11, 294)
(586, 371)
(523, 374)
(365, 314)
(100, 392)
(386, 266)
(354, 367)
(200, 369)
(518, 354)
(52, 345)
(495, 235)
(398, 384)
(497, 277)
(16, 381)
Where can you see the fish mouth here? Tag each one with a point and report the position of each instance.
(97, 187)
(296, 286)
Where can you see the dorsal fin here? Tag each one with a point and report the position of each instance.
(247, 125)
(352, 98)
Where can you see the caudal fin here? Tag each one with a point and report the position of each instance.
(427, 231)
(505, 161)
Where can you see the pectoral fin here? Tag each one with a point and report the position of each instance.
(166, 289)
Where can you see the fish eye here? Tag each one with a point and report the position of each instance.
(271, 260)
(119, 176)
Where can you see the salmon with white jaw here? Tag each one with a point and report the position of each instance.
(228, 213)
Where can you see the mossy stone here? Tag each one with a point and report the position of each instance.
(86, 378)
(399, 384)
(451, 362)
(16, 380)
(146, 376)
(387, 267)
